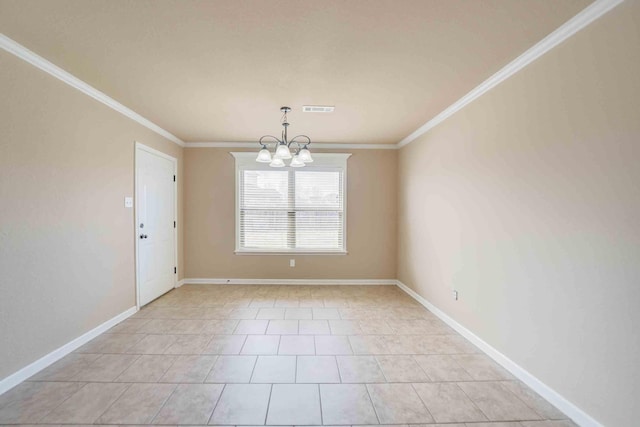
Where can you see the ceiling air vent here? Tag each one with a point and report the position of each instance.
(317, 109)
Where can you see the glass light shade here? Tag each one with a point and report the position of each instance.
(277, 163)
(296, 162)
(264, 156)
(283, 152)
(305, 155)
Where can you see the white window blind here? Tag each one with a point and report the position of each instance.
(290, 209)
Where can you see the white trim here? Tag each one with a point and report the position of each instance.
(156, 152)
(314, 145)
(319, 159)
(566, 30)
(36, 60)
(57, 354)
(140, 146)
(214, 281)
(301, 252)
(572, 411)
(179, 283)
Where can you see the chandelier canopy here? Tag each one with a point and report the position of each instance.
(283, 147)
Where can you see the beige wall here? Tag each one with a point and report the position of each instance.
(527, 202)
(210, 222)
(66, 240)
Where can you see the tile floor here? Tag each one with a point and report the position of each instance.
(279, 355)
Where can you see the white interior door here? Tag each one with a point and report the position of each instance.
(155, 224)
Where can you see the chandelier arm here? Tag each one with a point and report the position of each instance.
(300, 136)
(298, 145)
(277, 141)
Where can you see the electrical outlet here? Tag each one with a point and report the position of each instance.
(292, 263)
(128, 202)
(455, 295)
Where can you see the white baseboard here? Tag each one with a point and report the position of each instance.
(179, 283)
(569, 409)
(288, 281)
(57, 354)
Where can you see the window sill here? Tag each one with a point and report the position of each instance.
(291, 253)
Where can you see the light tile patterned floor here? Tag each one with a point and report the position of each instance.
(279, 355)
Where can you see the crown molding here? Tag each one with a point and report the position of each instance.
(318, 145)
(36, 60)
(562, 33)
(566, 30)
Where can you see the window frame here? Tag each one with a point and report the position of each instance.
(328, 161)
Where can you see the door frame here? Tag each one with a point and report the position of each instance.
(139, 146)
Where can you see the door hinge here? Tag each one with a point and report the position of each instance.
(175, 270)
(174, 224)
(174, 178)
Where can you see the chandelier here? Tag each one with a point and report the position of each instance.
(283, 147)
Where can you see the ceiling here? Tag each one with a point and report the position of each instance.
(218, 71)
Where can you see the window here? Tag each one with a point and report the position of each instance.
(291, 210)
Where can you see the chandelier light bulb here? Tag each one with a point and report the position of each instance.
(264, 156)
(305, 155)
(277, 163)
(283, 152)
(296, 162)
